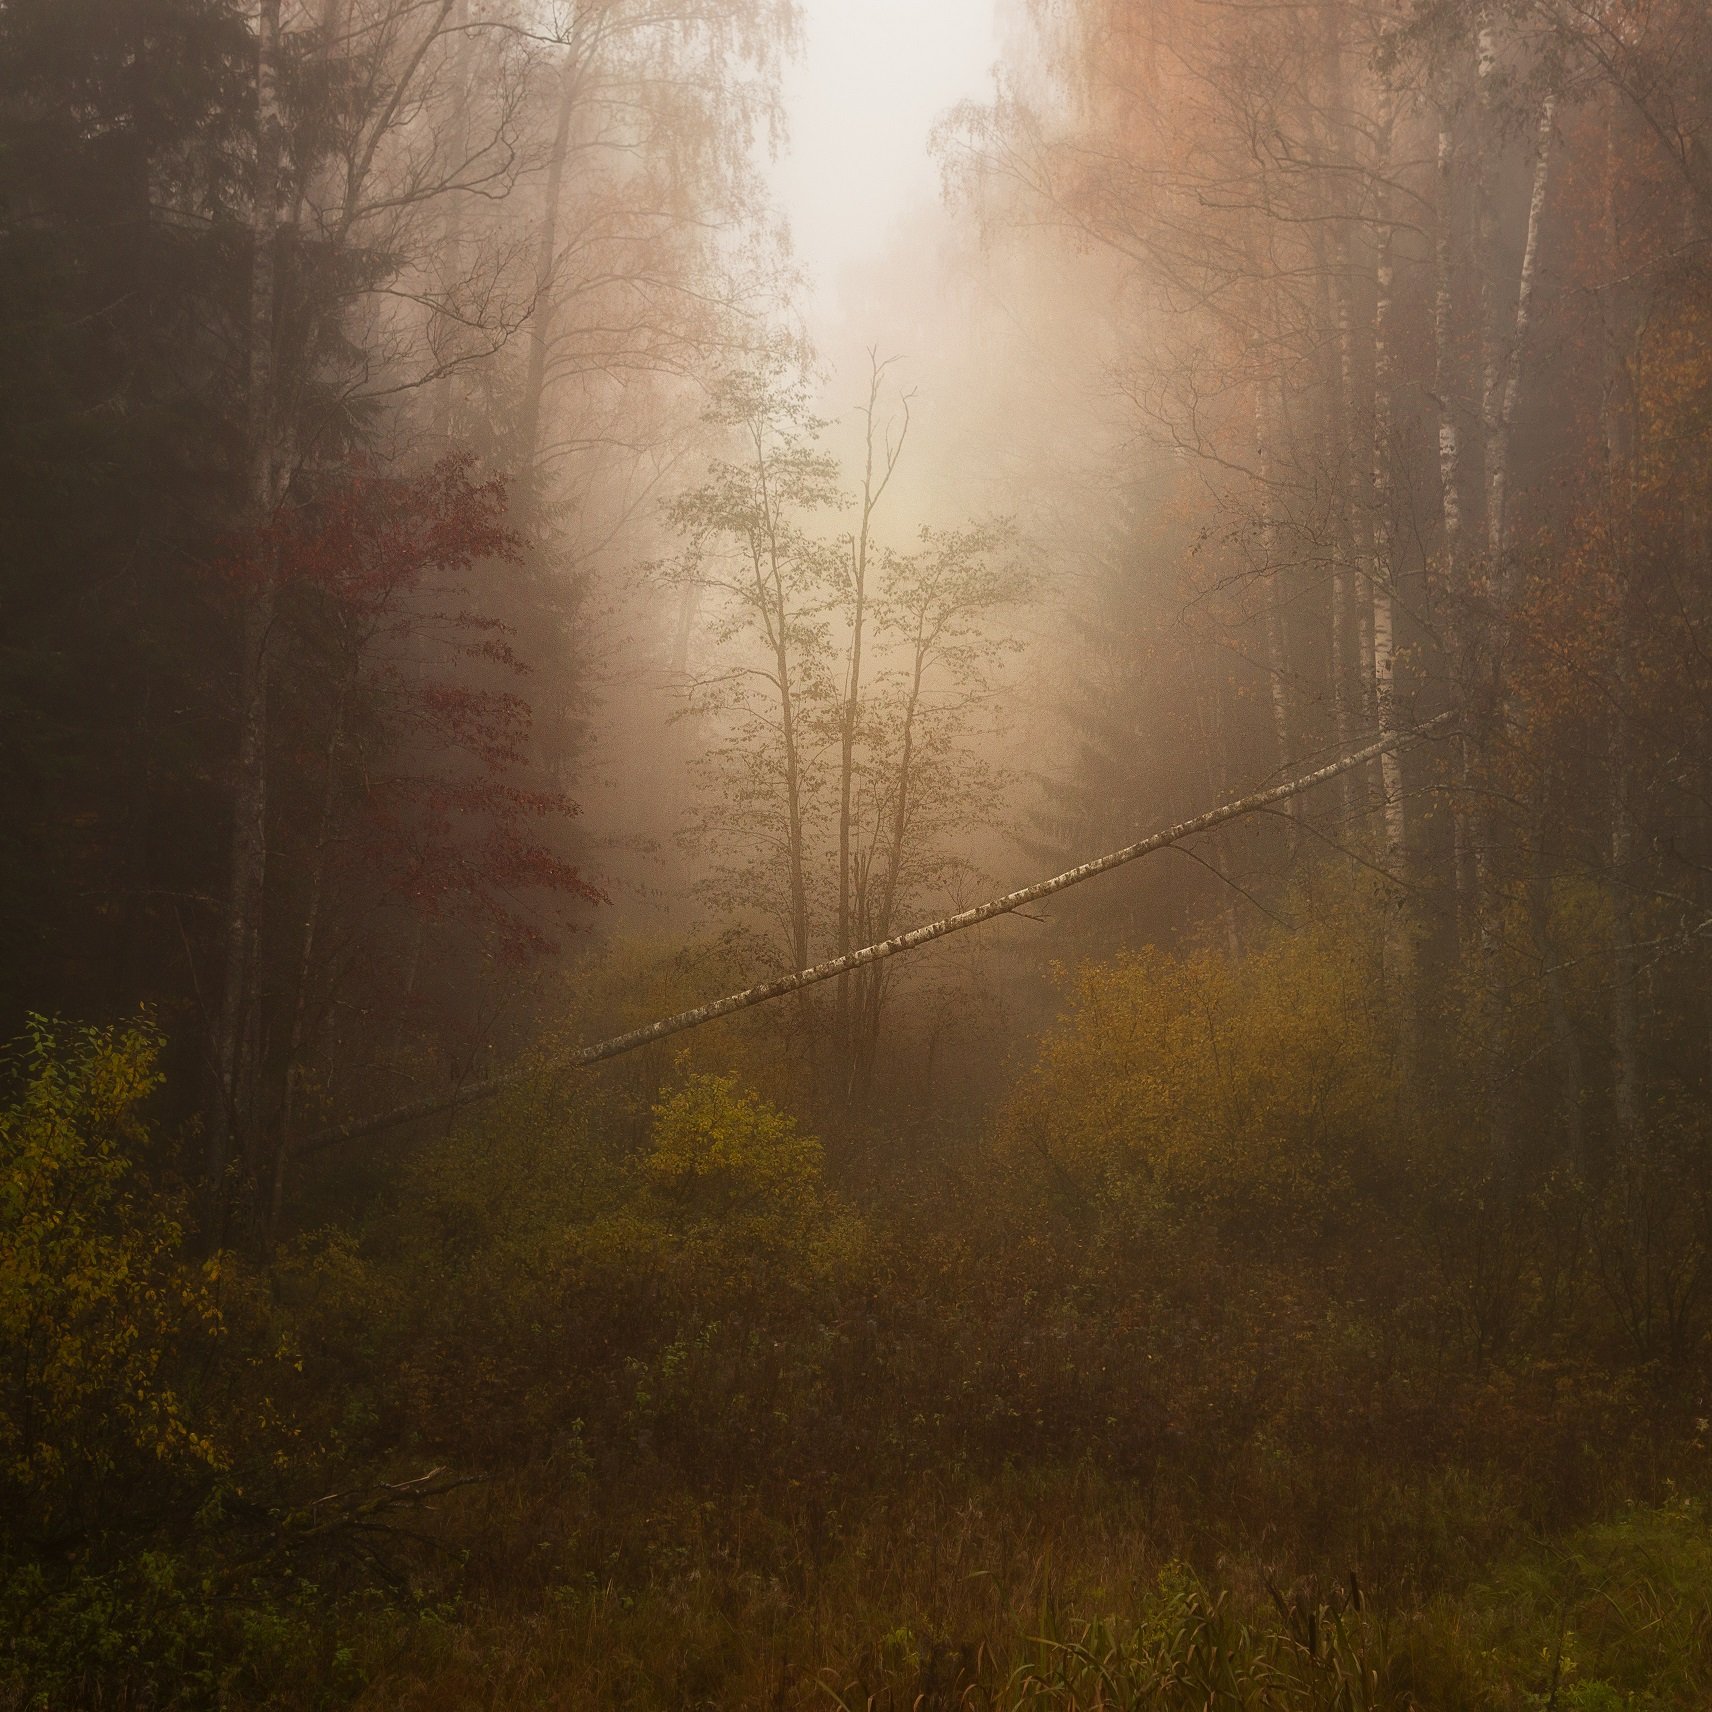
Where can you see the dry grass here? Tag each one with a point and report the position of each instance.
(1066, 1594)
(947, 1596)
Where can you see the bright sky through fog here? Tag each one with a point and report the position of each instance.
(873, 77)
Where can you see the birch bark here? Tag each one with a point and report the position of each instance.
(1504, 376)
(1504, 339)
(872, 493)
(1382, 592)
(1453, 571)
(1382, 574)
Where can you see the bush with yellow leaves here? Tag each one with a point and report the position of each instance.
(582, 1281)
(1253, 1099)
(731, 1173)
(99, 1308)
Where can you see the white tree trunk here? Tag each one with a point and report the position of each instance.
(1444, 375)
(1453, 510)
(1383, 571)
(1504, 382)
(1381, 580)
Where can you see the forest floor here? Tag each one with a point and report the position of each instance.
(650, 1400)
(1042, 1592)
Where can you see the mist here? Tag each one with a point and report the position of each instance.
(855, 854)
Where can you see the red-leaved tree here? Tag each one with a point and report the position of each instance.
(409, 824)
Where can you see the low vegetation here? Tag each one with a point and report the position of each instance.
(1201, 1373)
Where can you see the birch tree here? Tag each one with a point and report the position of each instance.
(843, 679)
(749, 544)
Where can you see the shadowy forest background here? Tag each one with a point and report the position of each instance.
(459, 604)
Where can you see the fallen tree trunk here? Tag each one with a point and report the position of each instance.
(436, 1104)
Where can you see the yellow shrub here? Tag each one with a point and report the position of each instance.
(96, 1301)
(721, 1153)
(731, 1178)
(1256, 1093)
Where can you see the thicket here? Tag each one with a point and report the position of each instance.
(1211, 1349)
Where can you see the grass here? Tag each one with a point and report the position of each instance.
(1060, 1595)
(1068, 1591)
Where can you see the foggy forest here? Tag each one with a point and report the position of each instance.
(856, 854)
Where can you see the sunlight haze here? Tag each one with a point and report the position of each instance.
(860, 101)
(855, 853)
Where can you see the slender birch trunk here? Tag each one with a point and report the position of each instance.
(1504, 338)
(872, 493)
(872, 995)
(1487, 273)
(766, 555)
(1444, 363)
(903, 801)
(1382, 582)
(1453, 571)
(1346, 625)
(1383, 573)
(1354, 499)
(1333, 279)
(452, 238)
(793, 799)
(1493, 1009)
(299, 1035)
(1504, 346)
(541, 312)
(1504, 381)
(1618, 433)
(228, 1119)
